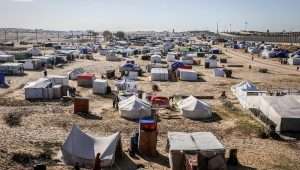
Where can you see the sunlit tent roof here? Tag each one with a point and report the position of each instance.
(134, 108)
(193, 108)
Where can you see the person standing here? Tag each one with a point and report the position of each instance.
(45, 72)
(97, 165)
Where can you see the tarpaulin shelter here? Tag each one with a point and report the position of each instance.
(81, 148)
(134, 108)
(194, 108)
(204, 144)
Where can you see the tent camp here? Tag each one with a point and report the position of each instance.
(82, 149)
(283, 111)
(205, 145)
(134, 108)
(193, 108)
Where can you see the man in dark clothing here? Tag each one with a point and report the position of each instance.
(97, 165)
(45, 73)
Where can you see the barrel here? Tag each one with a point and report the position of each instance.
(228, 73)
(206, 65)
(81, 105)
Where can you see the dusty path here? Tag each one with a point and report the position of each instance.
(259, 62)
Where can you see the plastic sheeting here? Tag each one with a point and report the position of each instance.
(82, 148)
(134, 108)
(219, 72)
(284, 111)
(100, 86)
(193, 108)
(159, 74)
(187, 75)
(155, 59)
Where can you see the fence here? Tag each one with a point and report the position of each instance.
(272, 37)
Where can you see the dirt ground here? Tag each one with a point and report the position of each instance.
(44, 126)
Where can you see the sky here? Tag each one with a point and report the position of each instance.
(146, 15)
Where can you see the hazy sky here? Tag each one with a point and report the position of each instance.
(130, 15)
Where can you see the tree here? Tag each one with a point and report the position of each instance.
(120, 35)
(107, 35)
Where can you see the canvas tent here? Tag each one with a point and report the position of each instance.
(155, 59)
(12, 68)
(134, 108)
(284, 111)
(295, 60)
(74, 73)
(218, 72)
(187, 75)
(6, 58)
(82, 148)
(188, 59)
(212, 61)
(171, 57)
(193, 108)
(240, 91)
(159, 74)
(100, 86)
(204, 144)
(34, 51)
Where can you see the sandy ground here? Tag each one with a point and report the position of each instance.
(45, 125)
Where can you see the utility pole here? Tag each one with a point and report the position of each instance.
(5, 32)
(217, 28)
(57, 36)
(230, 28)
(36, 36)
(17, 35)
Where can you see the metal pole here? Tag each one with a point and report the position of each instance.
(36, 36)
(17, 34)
(5, 32)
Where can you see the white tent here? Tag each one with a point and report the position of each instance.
(188, 59)
(171, 57)
(82, 149)
(134, 108)
(218, 72)
(240, 91)
(203, 143)
(74, 73)
(243, 86)
(155, 59)
(159, 74)
(34, 51)
(187, 75)
(295, 60)
(6, 58)
(193, 108)
(212, 60)
(284, 111)
(100, 86)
